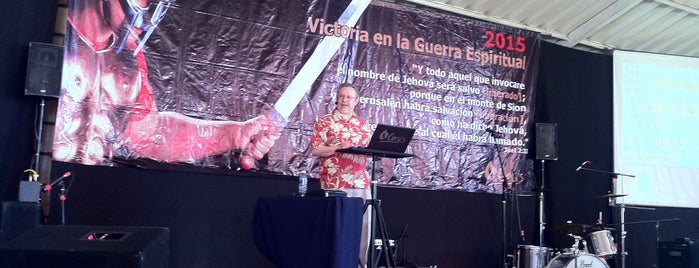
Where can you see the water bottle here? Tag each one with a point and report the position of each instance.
(303, 183)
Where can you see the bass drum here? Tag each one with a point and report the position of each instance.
(577, 261)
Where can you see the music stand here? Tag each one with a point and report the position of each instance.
(376, 213)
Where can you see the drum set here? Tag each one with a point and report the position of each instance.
(579, 255)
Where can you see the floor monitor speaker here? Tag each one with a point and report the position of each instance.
(88, 246)
(18, 217)
(546, 143)
(44, 69)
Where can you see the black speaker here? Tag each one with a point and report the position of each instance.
(88, 246)
(17, 218)
(546, 144)
(44, 69)
(681, 253)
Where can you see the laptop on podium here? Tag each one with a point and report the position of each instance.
(387, 141)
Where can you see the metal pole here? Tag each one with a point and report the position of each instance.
(622, 232)
(623, 235)
(504, 228)
(38, 139)
(542, 222)
(372, 260)
(62, 197)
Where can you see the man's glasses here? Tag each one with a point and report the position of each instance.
(341, 97)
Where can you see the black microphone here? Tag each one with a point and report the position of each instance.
(582, 165)
(336, 102)
(48, 187)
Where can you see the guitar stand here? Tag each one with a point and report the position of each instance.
(381, 234)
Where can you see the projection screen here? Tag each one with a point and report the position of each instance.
(656, 120)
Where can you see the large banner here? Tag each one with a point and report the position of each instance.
(236, 85)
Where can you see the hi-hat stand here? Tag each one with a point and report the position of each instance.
(377, 219)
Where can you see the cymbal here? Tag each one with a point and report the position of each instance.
(612, 195)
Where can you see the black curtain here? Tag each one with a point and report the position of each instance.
(575, 92)
(21, 22)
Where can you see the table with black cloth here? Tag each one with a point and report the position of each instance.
(309, 231)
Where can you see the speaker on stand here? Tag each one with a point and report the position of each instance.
(546, 143)
(44, 71)
(43, 79)
(546, 149)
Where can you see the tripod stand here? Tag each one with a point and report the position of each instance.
(378, 221)
(376, 212)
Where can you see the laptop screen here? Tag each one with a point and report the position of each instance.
(391, 138)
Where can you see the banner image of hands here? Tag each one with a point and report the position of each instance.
(238, 85)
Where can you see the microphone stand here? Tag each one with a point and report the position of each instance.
(62, 196)
(48, 187)
(614, 174)
(505, 191)
(622, 211)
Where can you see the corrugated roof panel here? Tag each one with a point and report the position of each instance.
(689, 3)
(481, 5)
(568, 19)
(611, 32)
(504, 8)
(659, 26)
(639, 29)
(659, 33)
(685, 42)
(580, 14)
(523, 10)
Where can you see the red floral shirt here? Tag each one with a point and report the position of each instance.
(342, 170)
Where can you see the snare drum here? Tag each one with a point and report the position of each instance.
(602, 243)
(577, 261)
(533, 256)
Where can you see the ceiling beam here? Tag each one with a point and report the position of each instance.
(681, 6)
(602, 18)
